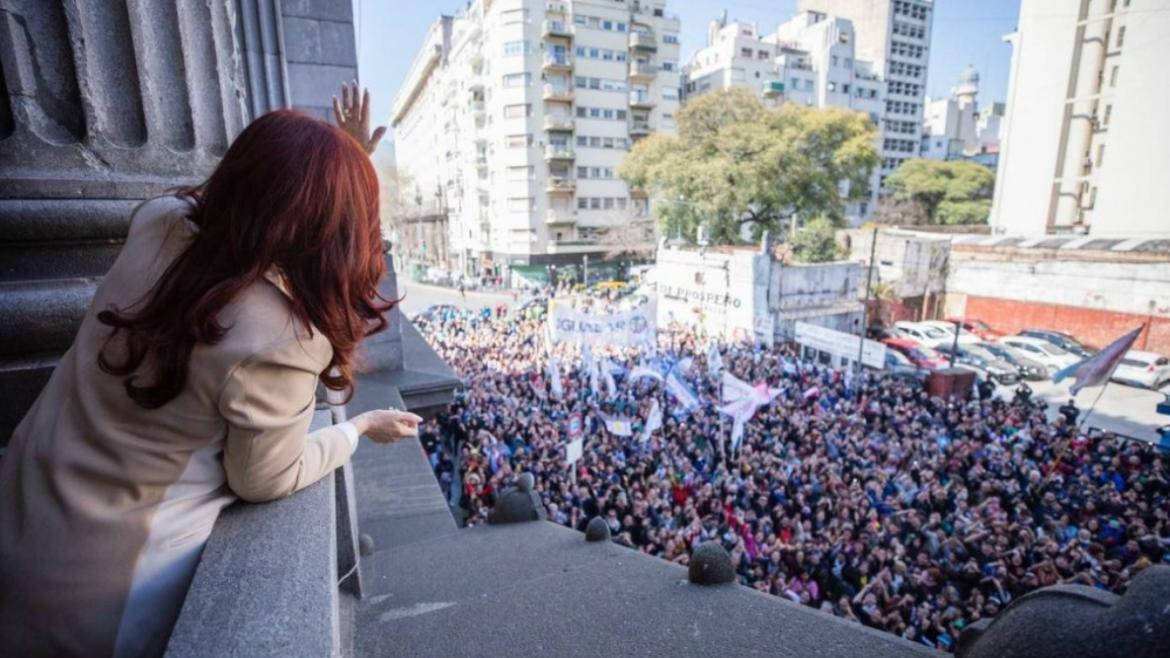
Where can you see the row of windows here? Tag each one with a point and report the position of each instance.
(593, 141)
(901, 107)
(517, 80)
(837, 61)
(889, 164)
(904, 49)
(903, 127)
(669, 38)
(603, 54)
(600, 113)
(604, 84)
(761, 54)
(595, 172)
(798, 84)
(911, 9)
(908, 70)
(899, 145)
(904, 88)
(908, 30)
(599, 23)
(602, 202)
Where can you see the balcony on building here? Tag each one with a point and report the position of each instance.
(556, 29)
(643, 40)
(561, 93)
(572, 246)
(558, 123)
(772, 89)
(643, 71)
(559, 216)
(641, 99)
(560, 185)
(553, 62)
(640, 128)
(559, 152)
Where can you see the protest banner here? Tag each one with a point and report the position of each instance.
(626, 329)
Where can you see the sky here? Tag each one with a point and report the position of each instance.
(390, 32)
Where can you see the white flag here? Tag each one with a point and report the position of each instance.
(741, 401)
(554, 379)
(606, 367)
(686, 398)
(594, 378)
(653, 420)
(644, 371)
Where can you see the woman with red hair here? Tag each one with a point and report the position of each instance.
(191, 384)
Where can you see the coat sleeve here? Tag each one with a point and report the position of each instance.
(268, 403)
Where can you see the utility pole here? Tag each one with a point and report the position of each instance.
(955, 344)
(865, 307)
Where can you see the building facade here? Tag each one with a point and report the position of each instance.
(512, 122)
(956, 128)
(1086, 146)
(810, 59)
(894, 36)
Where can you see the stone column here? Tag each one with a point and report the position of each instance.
(104, 103)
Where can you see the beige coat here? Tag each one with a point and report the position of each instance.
(105, 506)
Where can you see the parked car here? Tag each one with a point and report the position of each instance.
(1148, 369)
(1052, 356)
(1028, 368)
(927, 335)
(949, 327)
(1065, 341)
(978, 327)
(972, 357)
(918, 354)
(901, 367)
(875, 332)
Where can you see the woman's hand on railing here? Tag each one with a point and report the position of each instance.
(387, 425)
(352, 112)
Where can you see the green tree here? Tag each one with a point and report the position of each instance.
(816, 242)
(947, 192)
(736, 162)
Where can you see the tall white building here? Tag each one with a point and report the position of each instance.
(513, 119)
(894, 35)
(1086, 143)
(809, 59)
(955, 127)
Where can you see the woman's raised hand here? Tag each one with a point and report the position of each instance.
(387, 425)
(352, 112)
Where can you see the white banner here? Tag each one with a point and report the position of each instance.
(840, 344)
(619, 426)
(624, 329)
(573, 450)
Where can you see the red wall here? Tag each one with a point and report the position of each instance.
(1093, 326)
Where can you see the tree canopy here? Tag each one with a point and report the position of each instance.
(816, 242)
(736, 162)
(945, 192)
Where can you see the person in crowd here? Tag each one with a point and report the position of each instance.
(870, 499)
(191, 384)
(1070, 412)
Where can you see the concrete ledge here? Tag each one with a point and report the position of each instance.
(266, 584)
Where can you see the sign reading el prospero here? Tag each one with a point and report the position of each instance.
(628, 328)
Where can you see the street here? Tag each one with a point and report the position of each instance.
(418, 296)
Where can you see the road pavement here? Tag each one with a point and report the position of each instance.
(416, 297)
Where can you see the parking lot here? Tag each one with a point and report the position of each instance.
(1122, 409)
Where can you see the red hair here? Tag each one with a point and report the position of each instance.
(292, 193)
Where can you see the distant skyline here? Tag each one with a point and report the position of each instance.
(390, 33)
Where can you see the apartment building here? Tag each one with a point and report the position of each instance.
(894, 36)
(512, 122)
(1086, 145)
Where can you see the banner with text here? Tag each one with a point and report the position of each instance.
(625, 329)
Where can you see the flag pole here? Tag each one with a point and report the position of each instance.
(1093, 406)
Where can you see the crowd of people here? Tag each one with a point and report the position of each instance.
(859, 495)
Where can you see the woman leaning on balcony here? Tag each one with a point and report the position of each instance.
(191, 383)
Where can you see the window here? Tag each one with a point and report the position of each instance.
(835, 60)
(521, 204)
(518, 111)
(517, 79)
(745, 52)
(1113, 77)
(518, 141)
(762, 54)
(1108, 112)
(1100, 154)
(1120, 36)
(601, 53)
(848, 62)
(832, 86)
(517, 48)
(670, 94)
(520, 173)
(511, 16)
(669, 38)
(669, 65)
(845, 89)
(599, 23)
(604, 84)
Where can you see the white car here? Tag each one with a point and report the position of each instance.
(921, 332)
(965, 337)
(1148, 369)
(1052, 357)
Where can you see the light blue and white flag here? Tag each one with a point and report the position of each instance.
(1099, 367)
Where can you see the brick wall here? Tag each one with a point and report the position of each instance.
(1090, 325)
